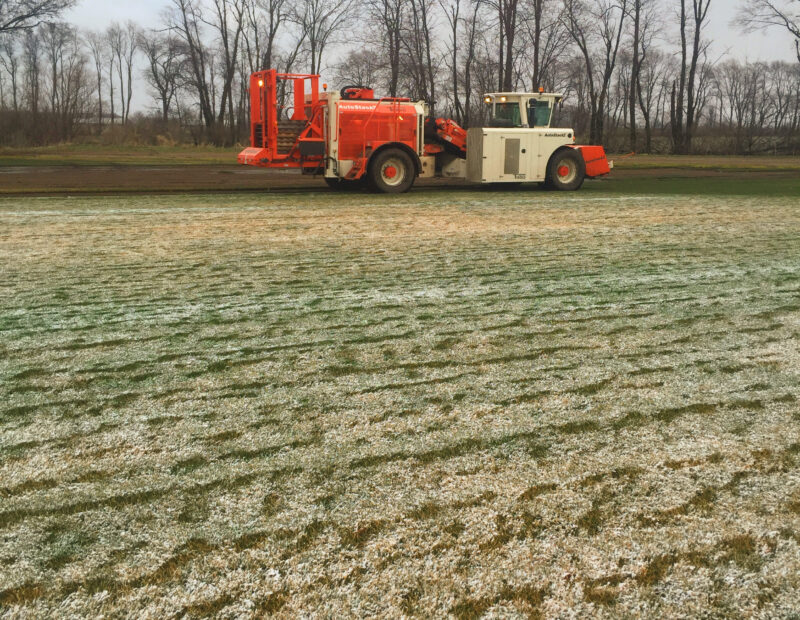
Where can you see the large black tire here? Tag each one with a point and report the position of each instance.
(566, 171)
(344, 185)
(391, 172)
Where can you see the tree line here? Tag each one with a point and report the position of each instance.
(638, 75)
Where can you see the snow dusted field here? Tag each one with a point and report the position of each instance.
(463, 403)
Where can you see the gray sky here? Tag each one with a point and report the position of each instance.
(98, 14)
(775, 45)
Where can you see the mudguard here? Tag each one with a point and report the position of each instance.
(597, 164)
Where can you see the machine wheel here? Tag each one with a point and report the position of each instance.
(391, 172)
(344, 185)
(566, 171)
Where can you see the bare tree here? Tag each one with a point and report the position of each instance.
(32, 59)
(451, 11)
(746, 101)
(97, 46)
(687, 90)
(636, 64)
(10, 62)
(228, 22)
(388, 16)
(320, 21)
(3, 101)
(597, 31)
(132, 46)
(54, 38)
(263, 21)
(68, 87)
(124, 43)
(643, 20)
(186, 21)
(472, 33)
(116, 44)
(758, 14)
(507, 14)
(535, 26)
(419, 54)
(784, 93)
(359, 67)
(211, 34)
(547, 39)
(165, 65)
(651, 91)
(26, 14)
(111, 88)
(507, 11)
(733, 98)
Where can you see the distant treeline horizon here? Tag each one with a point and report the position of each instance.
(637, 74)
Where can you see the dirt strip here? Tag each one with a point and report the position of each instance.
(77, 180)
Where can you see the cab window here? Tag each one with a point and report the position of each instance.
(508, 114)
(539, 113)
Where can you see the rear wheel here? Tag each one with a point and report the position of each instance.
(391, 172)
(566, 171)
(344, 185)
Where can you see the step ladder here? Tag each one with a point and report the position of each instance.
(359, 166)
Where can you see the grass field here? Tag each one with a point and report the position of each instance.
(522, 404)
(99, 155)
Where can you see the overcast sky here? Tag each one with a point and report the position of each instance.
(777, 44)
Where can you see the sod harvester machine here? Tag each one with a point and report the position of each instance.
(354, 138)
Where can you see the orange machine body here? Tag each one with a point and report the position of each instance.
(345, 135)
(322, 125)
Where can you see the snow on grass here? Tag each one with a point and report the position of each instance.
(451, 403)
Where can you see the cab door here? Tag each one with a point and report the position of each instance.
(518, 155)
(532, 157)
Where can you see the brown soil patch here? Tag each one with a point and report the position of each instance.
(44, 180)
(59, 180)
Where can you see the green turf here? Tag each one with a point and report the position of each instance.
(436, 404)
(729, 185)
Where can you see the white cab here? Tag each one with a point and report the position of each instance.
(509, 155)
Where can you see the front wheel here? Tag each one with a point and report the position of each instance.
(566, 171)
(391, 172)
